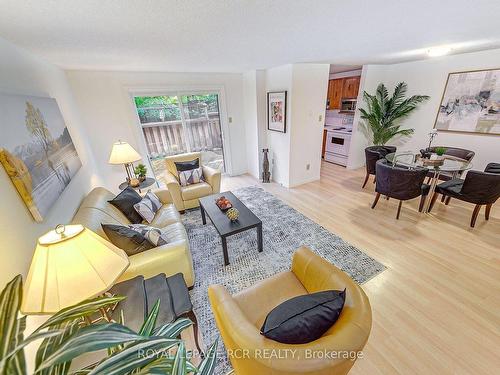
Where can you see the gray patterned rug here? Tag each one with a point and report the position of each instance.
(284, 230)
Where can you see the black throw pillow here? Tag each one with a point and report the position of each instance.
(187, 165)
(129, 240)
(125, 203)
(304, 319)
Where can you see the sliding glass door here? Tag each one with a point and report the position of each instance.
(179, 123)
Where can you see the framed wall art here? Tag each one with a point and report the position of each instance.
(276, 111)
(36, 150)
(471, 103)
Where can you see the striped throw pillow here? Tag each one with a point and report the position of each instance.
(148, 206)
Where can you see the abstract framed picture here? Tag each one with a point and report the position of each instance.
(471, 103)
(276, 111)
(36, 150)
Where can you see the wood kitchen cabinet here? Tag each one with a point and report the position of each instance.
(340, 88)
(335, 87)
(351, 87)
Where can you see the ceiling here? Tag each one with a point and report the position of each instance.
(238, 35)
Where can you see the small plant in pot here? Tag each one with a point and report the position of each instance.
(439, 153)
(140, 172)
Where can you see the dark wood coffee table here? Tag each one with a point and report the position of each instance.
(225, 227)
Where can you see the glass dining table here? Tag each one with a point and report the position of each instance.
(451, 166)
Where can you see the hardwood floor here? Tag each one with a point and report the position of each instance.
(436, 309)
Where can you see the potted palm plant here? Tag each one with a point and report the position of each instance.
(69, 334)
(383, 114)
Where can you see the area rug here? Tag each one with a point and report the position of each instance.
(284, 230)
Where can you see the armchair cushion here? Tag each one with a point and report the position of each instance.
(195, 191)
(191, 177)
(305, 318)
(182, 166)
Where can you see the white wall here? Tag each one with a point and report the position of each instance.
(280, 79)
(251, 122)
(309, 86)
(428, 77)
(108, 113)
(22, 73)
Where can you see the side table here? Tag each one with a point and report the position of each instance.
(143, 185)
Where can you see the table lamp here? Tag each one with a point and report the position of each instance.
(70, 264)
(123, 153)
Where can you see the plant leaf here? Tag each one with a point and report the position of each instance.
(80, 310)
(150, 322)
(179, 367)
(207, 366)
(21, 345)
(134, 357)
(172, 330)
(52, 344)
(89, 339)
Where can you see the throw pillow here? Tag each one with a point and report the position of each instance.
(152, 234)
(182, 166)
(148, 206)
(193, 176)
(125, 203)
(304, 319)
(130, 241)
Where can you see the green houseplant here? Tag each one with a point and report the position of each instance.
(140, 171)
(383, 114)
(67, 335)
(440, 151)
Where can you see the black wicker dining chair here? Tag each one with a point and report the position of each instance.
(479, 188)
(373, 154)
(400, 183)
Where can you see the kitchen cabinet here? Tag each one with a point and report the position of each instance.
(351, 87)
(335, 93)
(341, 88)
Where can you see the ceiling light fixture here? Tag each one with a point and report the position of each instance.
(438, 51)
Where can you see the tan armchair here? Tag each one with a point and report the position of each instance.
(239, 318)
(185, 197)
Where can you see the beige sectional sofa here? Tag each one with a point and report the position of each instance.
(170, 259)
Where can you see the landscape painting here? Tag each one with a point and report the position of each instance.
(36, 150)
(471, 103)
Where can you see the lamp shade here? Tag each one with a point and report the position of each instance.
(70, 264)
(123, 153)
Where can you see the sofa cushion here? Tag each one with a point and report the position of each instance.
(148, 206)
(152, 234)
(195, 191)
(130, 241)
(166, 215)
(305, 318)
(125, 202)
(174, 232)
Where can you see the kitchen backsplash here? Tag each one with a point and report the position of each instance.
(338, 119)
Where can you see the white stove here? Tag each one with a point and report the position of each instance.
(338, 141)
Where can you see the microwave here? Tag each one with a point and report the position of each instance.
(348, 106)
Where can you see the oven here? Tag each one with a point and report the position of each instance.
(337, 146)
